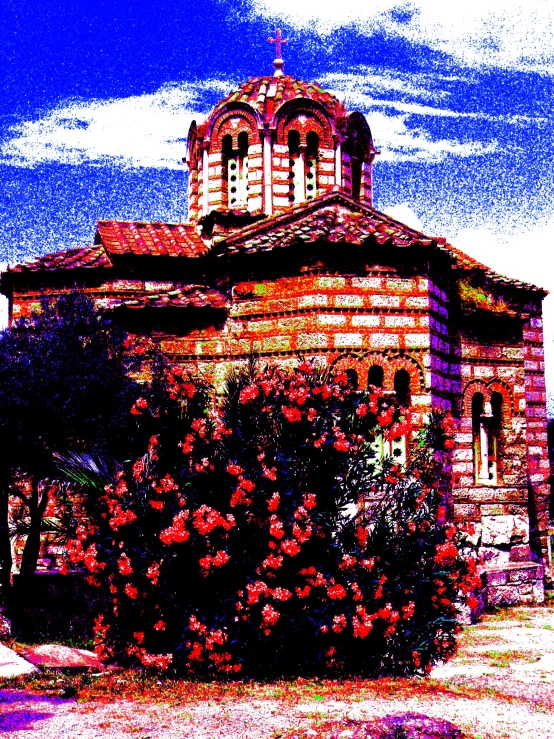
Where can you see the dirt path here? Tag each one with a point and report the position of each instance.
(500, 686)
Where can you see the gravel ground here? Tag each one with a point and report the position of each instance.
(500, 686)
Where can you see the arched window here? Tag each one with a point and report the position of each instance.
(486, 421)
(352, 376)
(312, 149)
(235, 169)
(356, 178)
(402, 387)
(296, 168)
(375, 376)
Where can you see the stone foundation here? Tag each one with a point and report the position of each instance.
(518, 583)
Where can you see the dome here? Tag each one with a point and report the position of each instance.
(267, 94)
(275, 142)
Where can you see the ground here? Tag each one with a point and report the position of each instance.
(500, 686)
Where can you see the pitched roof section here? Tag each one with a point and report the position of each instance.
(331, 217)
(191, 296)
(153, 239)
(336, 218)
(89, 257)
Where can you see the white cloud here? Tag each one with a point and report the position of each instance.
(398, 142)
(357, 91)
(150, 130)
(405, 214)
(365, 80)
(513, 34)
(140, 131)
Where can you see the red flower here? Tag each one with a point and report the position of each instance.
(270, 614)
(281, 594)
(276, 527)
(291, 414)
(249, 393)
(200, 426)
(290, 547)
(301, 535)
(273, 502)
(309, 501)
(255, 591)
(339, 623)
(270, 473)
(247, 485)
(153, 573)
(272, 561)
(160, 625)
(336, 592)
(131, 591)
(124, 565)
(157, 505)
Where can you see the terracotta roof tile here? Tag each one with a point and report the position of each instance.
(155, 239)
(86, 258)
(191, 296)
(267, 93)
(334, 217)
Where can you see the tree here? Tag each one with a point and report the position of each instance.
(241, 542)
(64, 384)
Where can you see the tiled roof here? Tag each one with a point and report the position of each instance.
(331, 217)
(266, 94)
(87, 258)
(156, 239)
(191, 296)
(336, 218)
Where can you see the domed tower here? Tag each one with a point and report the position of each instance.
(276, 142)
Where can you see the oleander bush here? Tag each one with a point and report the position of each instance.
(263, 536)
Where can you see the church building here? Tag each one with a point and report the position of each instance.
(285, 257)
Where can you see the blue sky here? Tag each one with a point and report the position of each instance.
(97, 98)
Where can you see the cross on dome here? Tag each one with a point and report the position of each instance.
(278, 62)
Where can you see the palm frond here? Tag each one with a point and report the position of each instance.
(85, 469)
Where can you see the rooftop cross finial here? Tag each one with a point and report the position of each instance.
(278, 62)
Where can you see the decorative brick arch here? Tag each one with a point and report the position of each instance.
(412, 367)
(499, 386)
(351, 361)
(389, 362)
(316, 119)
(487, 389)
(234, 122)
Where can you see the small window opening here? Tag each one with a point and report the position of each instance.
(486, 422)
(312, 149)
(352, 376)
(296, 168)
(235, 169)
(402, 387)
(375, 376)
(356, 178)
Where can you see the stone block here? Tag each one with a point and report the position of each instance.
(349, 301)
(366, 320)
(383, 340)
(499, 577)
(352, 340)
(329, 319)
(374, 283)
(503, 530)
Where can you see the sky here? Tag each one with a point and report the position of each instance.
(97, 98)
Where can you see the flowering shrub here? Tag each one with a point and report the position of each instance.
(262, 538)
